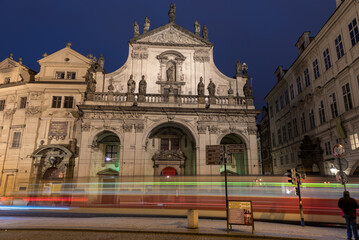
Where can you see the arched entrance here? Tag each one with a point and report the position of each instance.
(239, 164)
(105, 154)
(172, 148)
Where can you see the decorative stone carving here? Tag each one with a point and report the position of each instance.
(112, 115)
(252, 130)
(202, 129)
(35, 95)
(33, 110)
(9, 112)
(110, 87)
(318, 91)
(58, 130)
(139, 52)
(139, 127)
(224, 118)
(201, 55)
(213, 129)
(171, 36)
(211, 88)
(308, 98)
(86, 127)
(127, 127)
(200, 87)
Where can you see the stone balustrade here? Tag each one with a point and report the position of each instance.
(169, 98)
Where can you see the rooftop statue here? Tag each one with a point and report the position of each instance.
(172, 13)
(205, 32)
(142, 86)
(146, 26)
(211, 88)
(131, 84)
(200, 87)
(136, 30)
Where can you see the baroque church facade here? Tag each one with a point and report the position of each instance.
(152, 117)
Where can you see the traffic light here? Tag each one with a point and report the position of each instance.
(292, 174)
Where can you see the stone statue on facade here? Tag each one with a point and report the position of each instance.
(205, 32)
(200, 87)
(142, 86)
(131, 85)
(146, 26)
(247, 89)
(238, 67)
(136, 29)
(197, 28)
(170, 72)
(211, 88)
(172, 13)
(245, 68)
(101, 62)
(90, 85)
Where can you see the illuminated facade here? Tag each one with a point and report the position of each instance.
(154, 116)
(314, 104)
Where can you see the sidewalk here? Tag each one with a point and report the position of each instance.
(171, 225)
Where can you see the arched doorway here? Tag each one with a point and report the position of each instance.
(105, 154)
(171, 146)
(239, 165)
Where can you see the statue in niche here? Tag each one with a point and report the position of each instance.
(238, 67)
(142, 86)
(131, 85)
(172, 13)
(200, 87)
(211, 88)
(136, 29)
(170, 72)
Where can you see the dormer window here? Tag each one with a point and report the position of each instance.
(60, 75)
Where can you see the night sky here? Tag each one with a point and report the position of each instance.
(261, 33)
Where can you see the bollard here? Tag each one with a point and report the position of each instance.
(192, 217)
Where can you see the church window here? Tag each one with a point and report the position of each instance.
(60, 75)
(23, 101)
(299, 85)
(169, 144)
(16, 140)
(328, 150)
(291, 88)
(71, 75)
(306, 77)
(69, 101)
(321, 113)
(333, 105)
(111, 153)
(2, 105)
(56, 101)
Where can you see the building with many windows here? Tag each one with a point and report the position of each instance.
(314, 104)
(152, 117)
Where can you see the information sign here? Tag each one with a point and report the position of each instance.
(214, 154)
(240, 213)
(338, 150)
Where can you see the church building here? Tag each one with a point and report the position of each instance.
(154, 116)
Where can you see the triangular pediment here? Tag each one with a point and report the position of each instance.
(8, 63)
(66, 55)
(171, 34)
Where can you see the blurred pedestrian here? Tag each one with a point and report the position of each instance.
(349, 206)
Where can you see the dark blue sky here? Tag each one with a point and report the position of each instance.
(261, 33)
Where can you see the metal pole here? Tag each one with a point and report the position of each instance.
(341, 171)
(300, 202)
(225, 185)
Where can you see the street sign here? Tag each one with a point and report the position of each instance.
(338, 150)
(343, 162)
(214, 154)
(235, 148)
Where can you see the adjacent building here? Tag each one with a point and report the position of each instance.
(154, 116)
(314, 104)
